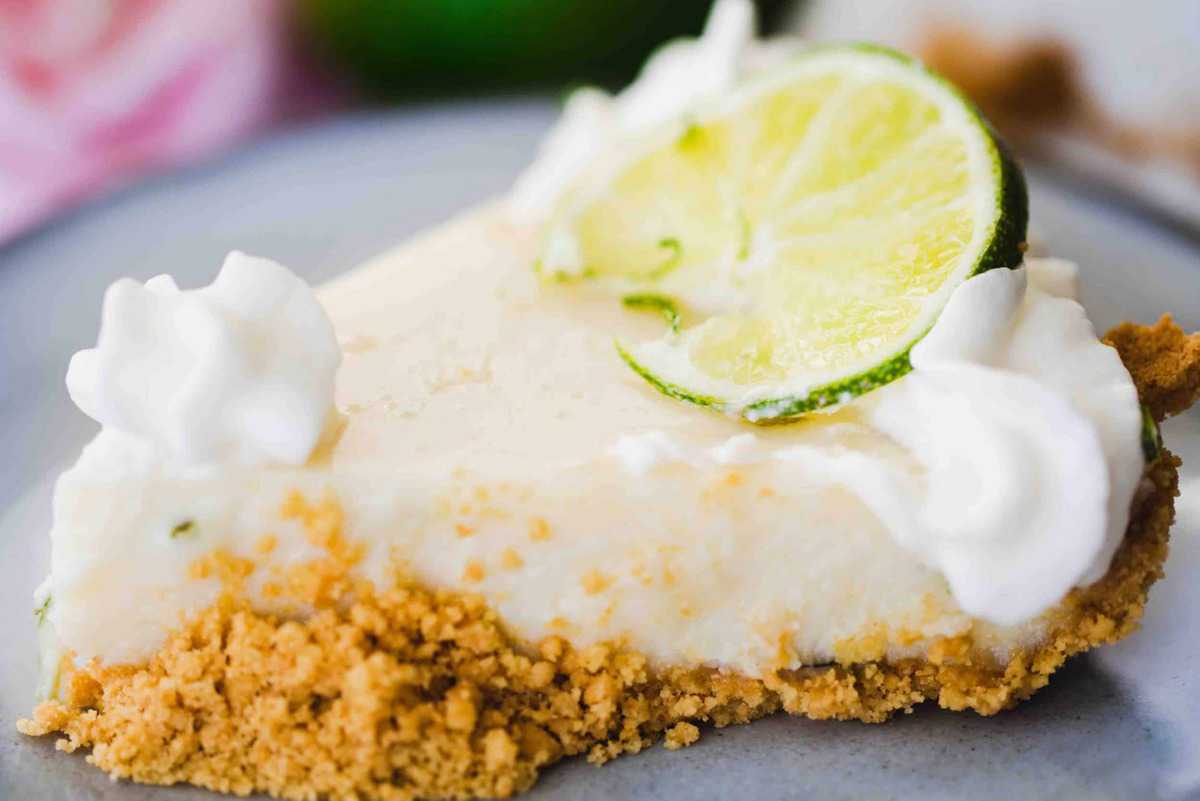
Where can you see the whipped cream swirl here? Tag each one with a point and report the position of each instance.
(1028, 428)
(239, 371)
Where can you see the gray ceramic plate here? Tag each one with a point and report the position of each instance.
(1121, 725)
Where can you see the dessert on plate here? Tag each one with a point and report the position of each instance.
(746, 399)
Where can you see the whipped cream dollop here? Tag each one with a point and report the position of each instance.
(238, 371)
(1026, 433)
(1029, 429)
(675, 78)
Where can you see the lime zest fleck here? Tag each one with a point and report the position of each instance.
(1151, 436)
(43, 609)
(745, 235)
(648, 301)
(562, 276)
(182, 529)
(692, 136)
(674, 258)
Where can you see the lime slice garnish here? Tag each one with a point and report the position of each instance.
(813, 224)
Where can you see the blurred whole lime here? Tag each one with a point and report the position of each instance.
(398, 46)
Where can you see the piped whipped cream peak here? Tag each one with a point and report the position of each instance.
(1025, 433)
(678, 76)
(1027, 427)
(239, 371)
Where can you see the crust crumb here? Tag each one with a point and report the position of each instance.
(595, 582)
(510, 559)
(539, 529)
(681, 735)
(232, 571)
(474, 571)
(1164, 363)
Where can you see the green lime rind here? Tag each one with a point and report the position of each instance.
(835, 393)
(43, 609)
(785, 410)
(666, 387)
(647, 301)
(1151, 435)
(1009, 231)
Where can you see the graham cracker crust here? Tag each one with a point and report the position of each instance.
(405, 692)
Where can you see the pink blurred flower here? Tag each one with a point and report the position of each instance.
(95, 92)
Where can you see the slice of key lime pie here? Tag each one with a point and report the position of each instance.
(745, 399)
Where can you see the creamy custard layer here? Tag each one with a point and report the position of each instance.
(492, 441)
